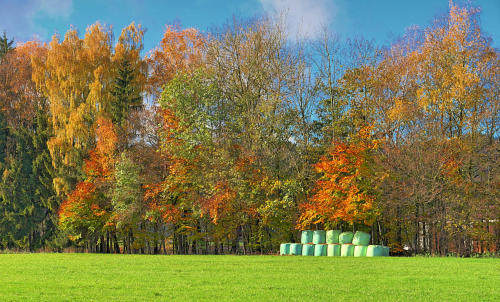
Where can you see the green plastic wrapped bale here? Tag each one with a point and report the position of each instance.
(375, 251)
(285, 248)
(347, 250)
(320, 249)
(386, 250)
(307, 237)
(296, 249)
(345, 237)
(282, 249)
(361, 238)
(333, 250)
(360, 250)
(332, 236)
(308, 250)
(319, 237)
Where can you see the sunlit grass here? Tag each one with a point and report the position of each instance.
(95, 277)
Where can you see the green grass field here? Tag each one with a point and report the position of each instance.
(93, 277)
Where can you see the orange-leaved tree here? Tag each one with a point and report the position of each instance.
(345, 190)
(75, 77)
(86, 213)
(179, 51)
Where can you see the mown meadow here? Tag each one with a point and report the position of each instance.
(98, 277)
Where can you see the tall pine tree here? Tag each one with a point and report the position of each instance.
(126, 92)
(44, 174)
(27, 197)
(5, 46)
(16, 191)
(3, 139)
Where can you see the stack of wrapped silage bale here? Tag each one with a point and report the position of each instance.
(334, 243)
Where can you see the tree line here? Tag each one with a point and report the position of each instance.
(232, 141)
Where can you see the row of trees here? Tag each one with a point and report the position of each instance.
(232, 142)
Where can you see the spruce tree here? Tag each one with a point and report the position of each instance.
(5, 46)
(126, 93)
(16, 191)
(44, 174)
(3, 139)
(27, 198)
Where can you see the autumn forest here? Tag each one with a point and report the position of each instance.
(232, 141)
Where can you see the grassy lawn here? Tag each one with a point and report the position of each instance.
(92, 277)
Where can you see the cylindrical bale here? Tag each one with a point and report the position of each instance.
(307, 237)
(283, 249)
(333, 250)
(361, 238)
(320, 249)
(319, 237)
(347, 250)
(345, 237)
(332, 236)
(296, 249)
(386, 250)
(308, 250)
(286, 248)
(375, 251)
(360, 250)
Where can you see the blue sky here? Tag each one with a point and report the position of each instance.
(381, 20)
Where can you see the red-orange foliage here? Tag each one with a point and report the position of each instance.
(343, 191)
(168, 213)
(220, 203)
(182, 166)
(82, 207)
(180, 50)
(101, 159)
(18, 93)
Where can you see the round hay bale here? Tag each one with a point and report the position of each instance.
(332, 236)
(375, 251)
(308, 250)
(361, 238)
(282, 249)
(347, 250)
(333, 250)
(360, 250)
(306, 237)
(320, 249)
(345, 237)
(319, 237)
(285, 249)
(296, 249)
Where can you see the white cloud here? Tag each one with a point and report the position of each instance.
(303, 17)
